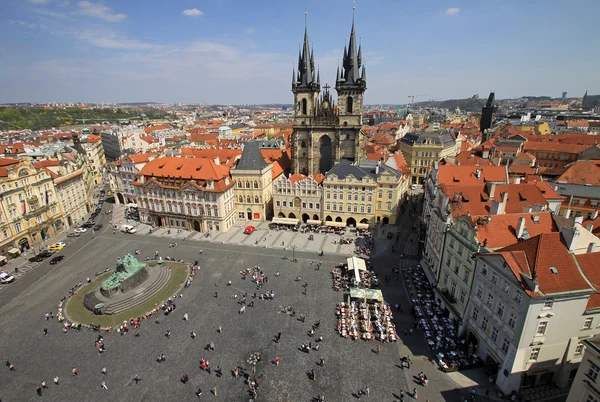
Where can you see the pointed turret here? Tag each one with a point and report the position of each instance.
(352, 61)
(363, 76)
(306, 66)
(294, 79)
(337, 76)
(318, 78)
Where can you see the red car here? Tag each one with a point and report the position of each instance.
(249, 229)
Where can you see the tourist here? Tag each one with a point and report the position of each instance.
(214, 391)
(185, 378)
(276, 360)
(103, 370)
(103, 385)
(322, 362)
(44, 384)
(45, 331)
(199, 392)
(55, 379)
(415, 395)
(193, 334)
(136, 379)
(74, 371)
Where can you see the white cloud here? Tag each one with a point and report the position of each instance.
(37, 1)
(99, 10)
(193, 12)
(452, 11)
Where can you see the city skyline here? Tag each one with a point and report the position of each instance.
(226, 52)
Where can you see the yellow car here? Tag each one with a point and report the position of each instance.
(56, 246)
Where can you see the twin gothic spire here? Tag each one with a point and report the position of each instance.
(350, 75)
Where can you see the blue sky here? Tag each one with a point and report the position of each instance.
(225, 51)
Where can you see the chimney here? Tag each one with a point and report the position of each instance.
(478, 174)
(517, 180)
(594, 215)
(579, 219)
(591, 247)
(491, 189)
(520, 227)
(568, 213)
(504, 200)
(457, 163)
(495, 207)
(589, 227)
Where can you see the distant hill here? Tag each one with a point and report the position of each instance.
(469, 104)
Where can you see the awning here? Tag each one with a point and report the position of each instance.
(313, 222)
(13, 251)
(335, 224)
(2, 258)
(355, 262)
(370, 294)
(362, 225)
(286, 221)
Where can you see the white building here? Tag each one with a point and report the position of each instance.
(298, 196)
(531, 306)
(586, 387)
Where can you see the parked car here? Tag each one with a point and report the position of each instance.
(80, 230)
(98, 227)
(46, 253)
(414, 186)
(249, 229)
(73, 234)
(6, 278)
(57, 259)
(36, 258)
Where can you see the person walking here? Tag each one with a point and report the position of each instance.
(214, 391)
(45, 331)
(103, 385)
(322, 362)
(415, 394)
(137, 379)
(104, 370)
(199, 392)
(367, 391)
(276, 360)
(44, 384)
(74, 371)
(378, 348)
(313, 375)
(55, 379)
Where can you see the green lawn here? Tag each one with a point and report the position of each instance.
(77, 312)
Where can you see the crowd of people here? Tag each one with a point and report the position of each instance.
(366, 320)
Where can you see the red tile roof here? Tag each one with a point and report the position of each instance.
(541, 253)
(554, 147)
(501, 230)
(165, 169)
(466, 175)
(581, 172)
(148, 130)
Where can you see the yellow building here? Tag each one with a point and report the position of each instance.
(421, 150)
(367, 194)
(29, 202)
(253, 189)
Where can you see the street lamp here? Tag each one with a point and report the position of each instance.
(293, 253)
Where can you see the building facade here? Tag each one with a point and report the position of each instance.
(298, 196)
(586, 387)
(421, 150)
(533, 304)
(369, 193)
(185, 193)
(71, 191)
(324, 133)
(253, 178)
(30, 204)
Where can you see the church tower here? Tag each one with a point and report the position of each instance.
(487, 117)
(351, 84)
(306, 87)
(324, 133)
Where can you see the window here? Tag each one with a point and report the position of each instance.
(505, 344)
(579, 348)
(494, 278)
(368, 210)
(466, 276)
(389, 195)
(587, 324)
(484, 323)
(446, 279)
(535, 353)
(490, 300)
(484, 271)
(518, 297)
(548, 303)
(349, 208)
(475, 314)
(335, 207)
(479, 293)
(541, 329)
(593, 372)
(463, 295)
(494, 335)
(380, 194)
(500, 309)
(349, 197)
(505, 287)
(327, 207)
(512, 320)
(591, 399)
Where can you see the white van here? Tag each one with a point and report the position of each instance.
(127, 229)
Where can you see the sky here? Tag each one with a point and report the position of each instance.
(243, 52)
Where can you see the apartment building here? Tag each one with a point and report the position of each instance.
(298, 196)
